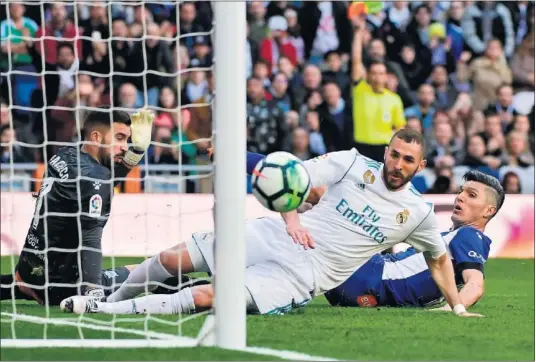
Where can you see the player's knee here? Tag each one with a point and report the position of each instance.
(203, 296)
(176, 260)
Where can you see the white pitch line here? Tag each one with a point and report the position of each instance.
(165, 341)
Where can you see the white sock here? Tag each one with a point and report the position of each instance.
(151, 270)
(181, 302)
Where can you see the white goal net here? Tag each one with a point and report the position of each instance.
(60, 61)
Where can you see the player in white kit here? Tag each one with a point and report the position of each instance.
(368, 207)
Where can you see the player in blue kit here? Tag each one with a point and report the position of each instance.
(403, 279)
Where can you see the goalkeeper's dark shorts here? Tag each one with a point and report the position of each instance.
(111, 280)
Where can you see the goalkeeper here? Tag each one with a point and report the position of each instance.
(62, 252)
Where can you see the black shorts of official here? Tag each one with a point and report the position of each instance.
(375, 152)
(111, 280)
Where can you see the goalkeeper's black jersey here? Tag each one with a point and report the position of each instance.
(71, 210)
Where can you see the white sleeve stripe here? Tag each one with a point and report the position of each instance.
(349, 168)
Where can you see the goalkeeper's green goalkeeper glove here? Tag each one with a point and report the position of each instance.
(141, 129)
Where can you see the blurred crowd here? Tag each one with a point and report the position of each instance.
(462, 73)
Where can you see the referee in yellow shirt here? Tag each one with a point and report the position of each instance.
(377, 112)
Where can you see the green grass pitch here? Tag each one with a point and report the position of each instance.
(507, 332)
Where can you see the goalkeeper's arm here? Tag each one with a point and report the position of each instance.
(141, 129)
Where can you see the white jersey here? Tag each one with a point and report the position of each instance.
(358, 217)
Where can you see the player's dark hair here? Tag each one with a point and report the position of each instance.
(411, 136)
(491, 182)
(104, 116)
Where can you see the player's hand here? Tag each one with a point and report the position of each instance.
(141, 129)
(300, 235)
(445, 308)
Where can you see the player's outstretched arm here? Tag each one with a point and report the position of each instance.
(472, 291)
(141, 129)
(426, 238)
(443, 273)
(297, 232)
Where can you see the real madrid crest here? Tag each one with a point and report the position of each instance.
(402, 217)
(369, 177)
(321, 157)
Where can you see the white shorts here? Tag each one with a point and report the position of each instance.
(278, 274)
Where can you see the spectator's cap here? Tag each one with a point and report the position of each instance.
(291, 13)
(437, 30)
(375, 7)
(277, 23)
(357, 8)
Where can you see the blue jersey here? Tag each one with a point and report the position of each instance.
(403, 279)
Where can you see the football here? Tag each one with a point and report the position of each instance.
(280, 182)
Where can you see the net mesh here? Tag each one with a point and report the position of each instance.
(129, 55)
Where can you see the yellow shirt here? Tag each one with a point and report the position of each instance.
(375, 114)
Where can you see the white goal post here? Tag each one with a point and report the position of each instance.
(227, 324)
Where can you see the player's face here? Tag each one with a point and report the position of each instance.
(402, 161)
(472, 205)
(116, 144)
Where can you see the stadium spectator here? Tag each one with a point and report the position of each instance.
(484, 21)
(445, 150)
(5, 114)
(261, 70)
(476, 152)
(416, 69)
(394, 86)
(511, 183)
(267, 128)
(399, 15)
(300, 144)
(96, 32)
(493, 134)
(11, 150)
(316, 140)
(335, 73)
(164, 152)
(523, 65)
(487, 73)
(189, 24)
(517, 150)
(279, 92)
(252, 52)
(445, 91)
(418, 30)
(424, 109)
(294, 33)
(158, 58)
(324, 27)
(277, 42)
(376, 52)
(336, 115)
(454, 28)
(12, 31)
(414, 123)
(312, 81)
(60, 27)
(196, 87)
(295, 79)
(128, 96)
(522, 13)
(444, 182)
(314, 100)
(504, 105)
(202, 56)
(258, 25)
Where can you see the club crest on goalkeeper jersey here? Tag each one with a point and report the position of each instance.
(74, 199)
(359, 217)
